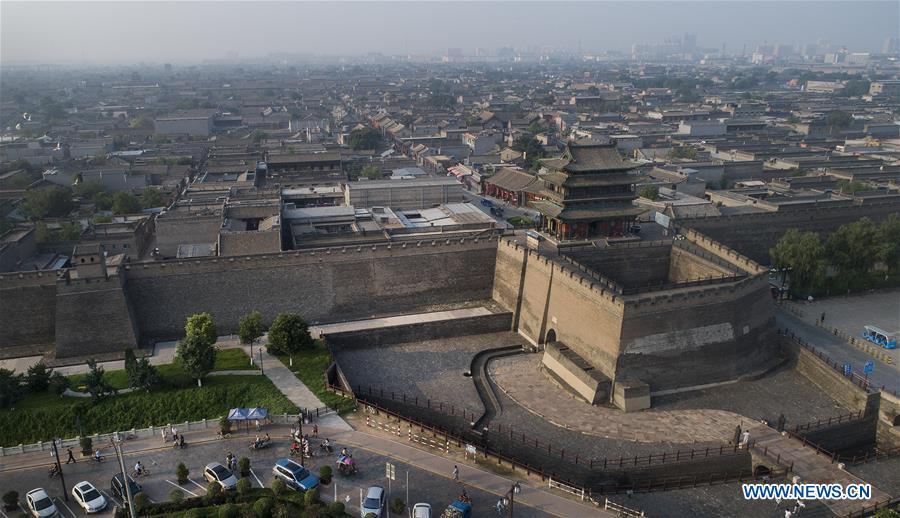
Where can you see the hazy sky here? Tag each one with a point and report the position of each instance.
(127, 31)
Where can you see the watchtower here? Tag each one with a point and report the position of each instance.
(89, 261)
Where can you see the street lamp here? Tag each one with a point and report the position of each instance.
(508, 502)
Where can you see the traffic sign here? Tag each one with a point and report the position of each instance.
(847, 369)
(869, 367)
(389, 471)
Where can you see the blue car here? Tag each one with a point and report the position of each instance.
(295, 475)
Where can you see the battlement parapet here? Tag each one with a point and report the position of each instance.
(27, 278)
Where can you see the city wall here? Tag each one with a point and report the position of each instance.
(27, 316)
(323, 285)
(420, 331)
(753, 234)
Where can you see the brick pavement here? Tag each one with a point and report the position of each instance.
(519, 378)
(811, 467)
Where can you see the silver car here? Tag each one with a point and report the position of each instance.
(40, 505)
(215, 472)
(89, 498)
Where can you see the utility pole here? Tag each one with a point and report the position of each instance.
(117, 446)
(59, 470)
(300, 432)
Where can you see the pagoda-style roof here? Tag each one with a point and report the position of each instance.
(512, 180)
(561, 178)
(589, 157)
(586, 212)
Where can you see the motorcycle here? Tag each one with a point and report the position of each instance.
(346, 465)
(326, 448)
(261, 445)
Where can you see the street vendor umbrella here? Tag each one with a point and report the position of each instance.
(238, 414)
(257, 413)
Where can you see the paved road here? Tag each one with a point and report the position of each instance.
(508, 209)
(424, 486)
(839, 350)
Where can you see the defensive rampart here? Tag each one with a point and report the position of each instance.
(420, 331)
(323, 285)
(753, 234)
(27, 317)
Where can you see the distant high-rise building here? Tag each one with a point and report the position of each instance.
(689, 42)
(891, 45)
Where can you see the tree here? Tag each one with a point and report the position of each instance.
(38, 377)
(364, 138)
(58, 383)
(250, 328)
(150, 198)
(196, 356)
(683, 152)
(533, 150)
(651, 192)
(804, 254)
(372, 172)
(125, 203)
(201, 324)
(141, 502)
(851, 186)
(593, 90)
(141, 375)
(181, 473)
(838, 120)
(11, 500)
(889, 239)
(850, 250)
(96, 384)
(854, 88)
(176, 495)
(10, 387)
(259, 136)
(535, 127)
(288, 334)
(140, 122)
(52, 202)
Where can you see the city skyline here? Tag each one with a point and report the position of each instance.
(189, 32)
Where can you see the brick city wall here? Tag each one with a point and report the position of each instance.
(629, 266)
(705, 335)
(250, 242)
(420, 331)
(27, 302)
(850, 435)
(322, 285)
(753, 234)
(93, 317)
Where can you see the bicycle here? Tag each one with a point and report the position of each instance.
(143, 473)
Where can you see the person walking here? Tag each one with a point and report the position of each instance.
(71, 457)
(228, 460)
(174, 434)
(181, 441)
(316, 430)
(164, 436)
(455, 472)
(258, 428)
(234, 464)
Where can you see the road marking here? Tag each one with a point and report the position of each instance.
(23, 510)
(67, 507)
(196, 484)
(183, 489)
(258, 481)
(4, 514)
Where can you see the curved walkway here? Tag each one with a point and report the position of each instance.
(520, 379)
(483, 384)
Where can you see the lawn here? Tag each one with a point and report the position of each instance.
(309, 367)
(44, 416)
(226, 360)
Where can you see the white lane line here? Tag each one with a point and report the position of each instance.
(26, 513)
(4, 514)
(258, 481)
(183, 489)
(66, 506)
(196, 484)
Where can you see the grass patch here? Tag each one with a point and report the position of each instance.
(44, 416)
(520, 221)
(233, 360)
(491, 465)
(309, 367)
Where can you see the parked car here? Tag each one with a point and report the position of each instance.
(421, 511)
(486, 203)
(215, 472)
(294, 475)
(117, 486)
(40, 505)
(374, 502)
(89, 497)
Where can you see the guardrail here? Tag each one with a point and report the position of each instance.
(99, 439)
(605, 503)
(812, 425)
(536, 444)
(870, 510)
(860, 381)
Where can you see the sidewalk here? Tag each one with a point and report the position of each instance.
(531, 496)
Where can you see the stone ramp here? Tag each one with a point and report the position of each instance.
(811, 467)
(399, 320)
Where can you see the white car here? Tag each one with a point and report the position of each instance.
(88, 497)
(215, 472)
(421, 511)
(374, 503)
(39, 504)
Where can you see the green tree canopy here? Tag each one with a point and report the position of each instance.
(197, 350)
(288, 333)
(851, 186)
(889, 239)
(95, 382)
(651, 192)
(853, 249)
(838, 120)
(52, 202)
(250, 327)
(11, 388)
(533, 149)
(803, 253)
(372, 172)
(683, 152)
(141, 375)
(364, 138)
(125, 203)
(150, 198)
